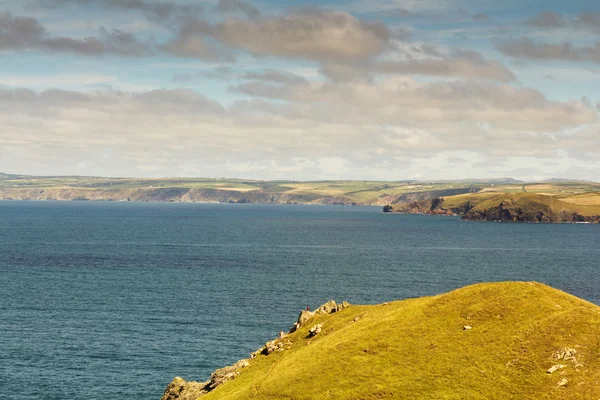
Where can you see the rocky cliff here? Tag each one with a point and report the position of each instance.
(183, 195)
(179, 389)
(532, 209)
(515, 207)
(433, 206)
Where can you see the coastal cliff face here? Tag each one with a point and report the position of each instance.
(181, 195)
(179, 389)
(521, 207)
(209, 195)
(529, 208)
(428, 207)
(520, 340)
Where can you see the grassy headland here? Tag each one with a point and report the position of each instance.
(566, 202)
(379, 193)
(511, 340)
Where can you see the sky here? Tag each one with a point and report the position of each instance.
(301, 90)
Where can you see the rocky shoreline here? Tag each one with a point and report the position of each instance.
(179, 389)
(509, 210)
(171, 195)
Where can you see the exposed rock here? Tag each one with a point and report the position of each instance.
(269, 348)
(344, 304)
(315, 330)
(179, 389)
(294, 327)
(304, 316)
(555, 368)
(327, 308)
(566, 353)
(563, 383)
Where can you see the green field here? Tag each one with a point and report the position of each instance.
(486, 341)
(256, 191)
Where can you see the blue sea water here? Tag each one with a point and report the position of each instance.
(112, 300)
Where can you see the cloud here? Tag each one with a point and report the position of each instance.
(222, 72)
(432, 106)
(527, 49)
(156, 11)
(424, 60)
(273, 76)
(25, 33)
(588, 21)
(306, 34)
(234, 6)
(297, 131)
(547, 19)
(452, 63)
(194, 40)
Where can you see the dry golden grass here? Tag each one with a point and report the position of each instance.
(419, 349)
(588, 199)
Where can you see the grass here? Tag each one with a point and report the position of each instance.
(418, 349)
(377, 193)
(533, 202)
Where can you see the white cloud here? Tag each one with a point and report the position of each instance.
(393, 129)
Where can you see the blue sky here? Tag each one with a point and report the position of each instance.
(353, 89)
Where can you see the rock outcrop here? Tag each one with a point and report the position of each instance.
(433, 206)
(179, 389)
(528, 209)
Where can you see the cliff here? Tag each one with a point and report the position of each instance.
(505, 207)
(527, 207)
(510, 340)
(182, 195)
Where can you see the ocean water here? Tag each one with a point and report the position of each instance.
(112, 300)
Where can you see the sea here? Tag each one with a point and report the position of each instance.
(113, 300)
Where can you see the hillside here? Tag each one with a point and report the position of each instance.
(200, 190)
(510, 207)
(511, 340)
(203, 190)
(528, 207)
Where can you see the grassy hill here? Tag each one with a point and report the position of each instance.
(486, 341)
(380, 193)
(518, 206)
(530, 207)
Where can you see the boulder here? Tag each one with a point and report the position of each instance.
(304, 316)
(179, 389)
(563, 382)
(566, 353)
(315, 330)
(555, 368)
(327, 308)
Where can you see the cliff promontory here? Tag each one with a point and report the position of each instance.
(511, 340)
(505, 207)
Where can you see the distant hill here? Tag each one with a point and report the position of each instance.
(497, 181)
(203, 190)
(563, 180)
(510, 340)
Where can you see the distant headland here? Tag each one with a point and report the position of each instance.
(553, 200)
